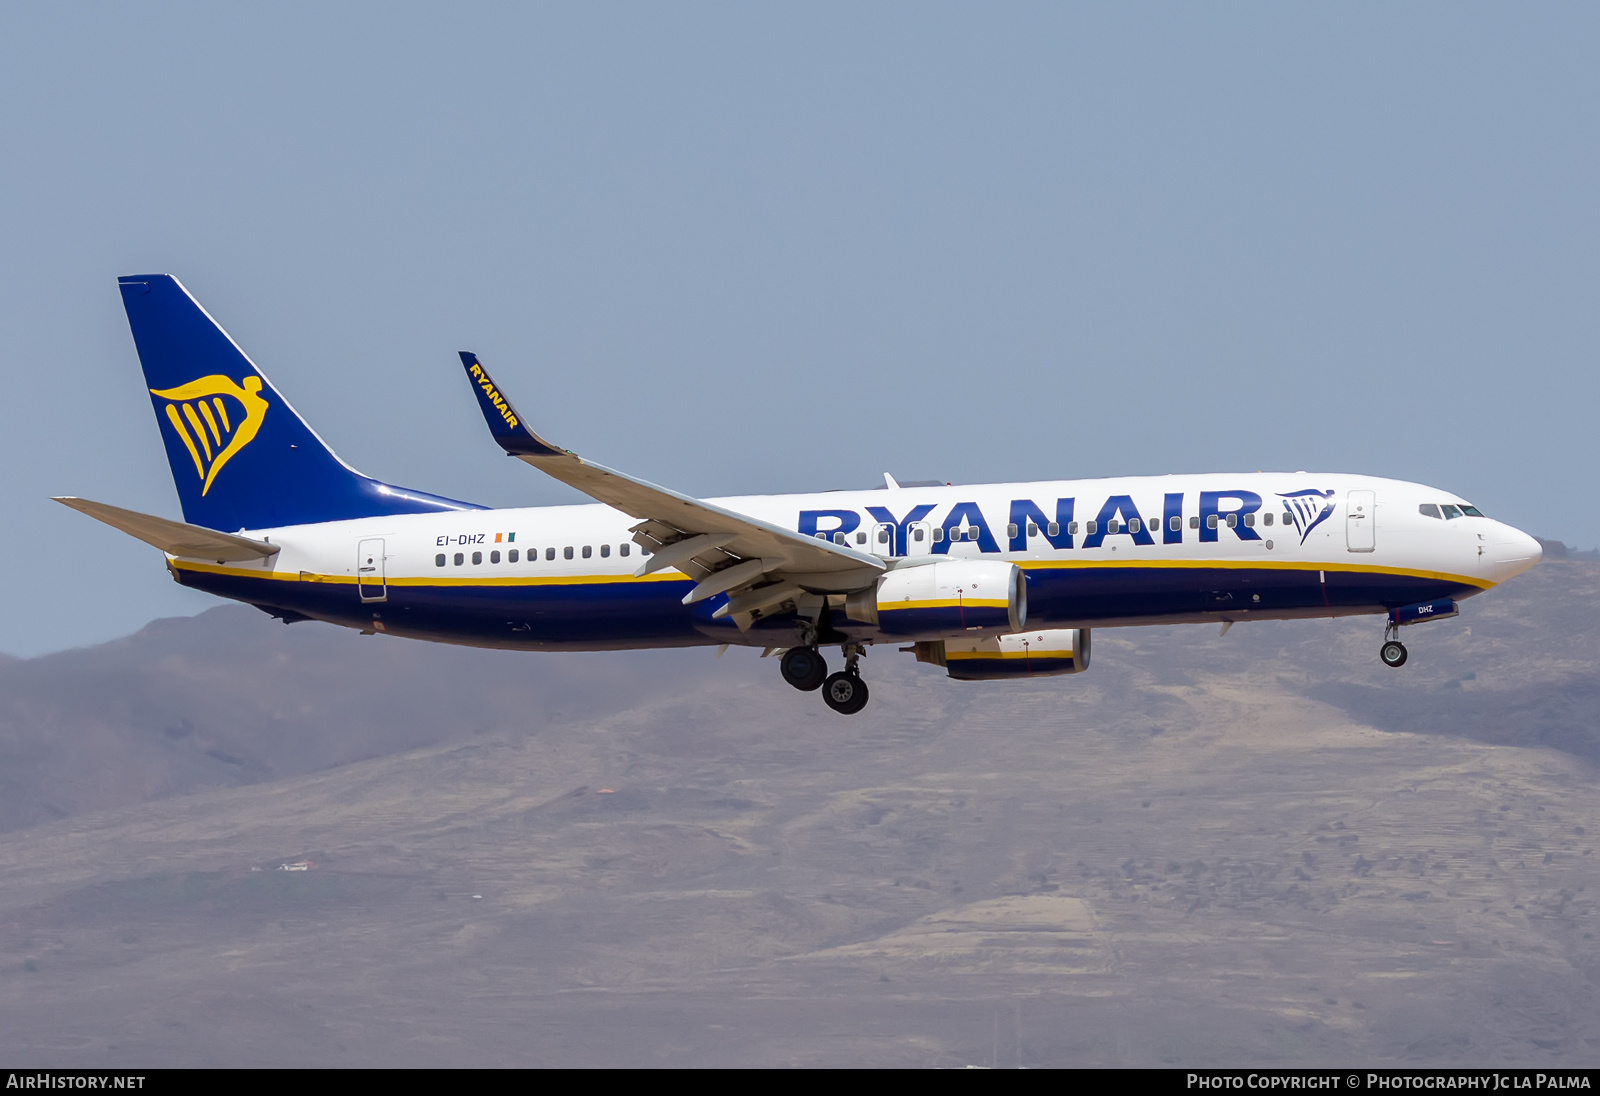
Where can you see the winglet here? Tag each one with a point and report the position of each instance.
(504, 422)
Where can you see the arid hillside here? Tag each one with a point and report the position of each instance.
(1262, 847)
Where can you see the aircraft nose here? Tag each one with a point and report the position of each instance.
(1512, 551)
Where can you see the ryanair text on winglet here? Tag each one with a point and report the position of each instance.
(492, 394)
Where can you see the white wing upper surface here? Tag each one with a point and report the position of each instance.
(724, 560)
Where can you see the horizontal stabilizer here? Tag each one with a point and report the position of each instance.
(174, 537)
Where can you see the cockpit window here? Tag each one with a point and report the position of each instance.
(1471, 511)
(1451, 511)
(1429, 510)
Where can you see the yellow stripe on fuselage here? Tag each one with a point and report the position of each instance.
(1259, 565)
(941, 603)
(349, 580)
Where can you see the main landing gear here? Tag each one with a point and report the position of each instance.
(806, 670)
(1393, 652)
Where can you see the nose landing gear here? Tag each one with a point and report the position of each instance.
(1393, 652)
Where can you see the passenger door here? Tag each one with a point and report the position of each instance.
(1361, 509)
(369, 571)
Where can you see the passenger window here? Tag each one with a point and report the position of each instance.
(1054, 528)
(938, 534)
(1134, 525)
(460, 559)
(1090, 527)
(511, 556)
(605, 550)
(1175, 524)
(1211, 521)
(861, 537)
(438, 560)
(1266, 519)
(622, 549)
(494, 557)
(1249, 521)
(549, 553)
(588, 550)
(1429, 510)
(1113, 526)
(1194, 521)
(838, 538)
(883, 536)
(1011, 530)
(566, 553)
(1233, 521)
(1450, 511)
(916, 535)
(477, 558)
(1033, 530)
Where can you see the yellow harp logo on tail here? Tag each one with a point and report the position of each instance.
(210, 429)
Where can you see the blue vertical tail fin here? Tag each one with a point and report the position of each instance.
(240, 455)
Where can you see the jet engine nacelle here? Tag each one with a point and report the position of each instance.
(1024, 654)
(954, 597)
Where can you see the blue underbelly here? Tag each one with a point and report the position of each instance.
(602, 615)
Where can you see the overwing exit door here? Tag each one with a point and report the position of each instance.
(919, 539)
(883, 539)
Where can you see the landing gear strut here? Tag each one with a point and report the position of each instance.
(1393, 652)
(804, 667)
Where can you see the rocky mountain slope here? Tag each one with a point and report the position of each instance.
(1262, 847)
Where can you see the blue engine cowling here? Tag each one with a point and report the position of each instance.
(951, 598)
(1047, 653)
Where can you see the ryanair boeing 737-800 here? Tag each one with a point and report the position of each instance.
(991, 582)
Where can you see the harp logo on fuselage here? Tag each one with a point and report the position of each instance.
(1309, 509)
(214, 417)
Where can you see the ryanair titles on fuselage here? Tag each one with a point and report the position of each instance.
(1243, 512)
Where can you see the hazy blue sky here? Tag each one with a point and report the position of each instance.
(751, 248)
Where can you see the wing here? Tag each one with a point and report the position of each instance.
(759, 564)
(174, 537)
